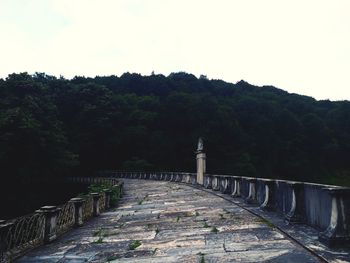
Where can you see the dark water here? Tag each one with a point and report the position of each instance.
(23, 199)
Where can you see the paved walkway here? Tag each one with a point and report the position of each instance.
(167, 222)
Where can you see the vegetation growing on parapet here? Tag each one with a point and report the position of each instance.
(134, 244)
(100, 187)
(56, 127)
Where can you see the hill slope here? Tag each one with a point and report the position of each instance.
(53, 127)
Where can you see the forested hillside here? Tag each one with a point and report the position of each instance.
(57, 127)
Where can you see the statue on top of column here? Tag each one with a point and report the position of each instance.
(200, 146)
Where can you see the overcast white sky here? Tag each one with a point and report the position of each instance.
(302, 46)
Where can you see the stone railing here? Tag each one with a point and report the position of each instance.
(180, 177)
(24, 233)
(324, 207)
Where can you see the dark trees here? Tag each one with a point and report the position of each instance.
(55, 127)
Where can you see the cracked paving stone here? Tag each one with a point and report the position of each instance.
(173, 223)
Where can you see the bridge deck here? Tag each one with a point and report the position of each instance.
(173, 223)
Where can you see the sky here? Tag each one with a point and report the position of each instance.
(302, 46)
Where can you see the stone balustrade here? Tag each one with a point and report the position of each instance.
(323, 207)
(46, 224)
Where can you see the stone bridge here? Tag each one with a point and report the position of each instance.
(170, 218)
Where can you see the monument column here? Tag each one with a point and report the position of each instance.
(201, 157)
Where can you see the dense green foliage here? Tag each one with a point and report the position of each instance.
(55, 127)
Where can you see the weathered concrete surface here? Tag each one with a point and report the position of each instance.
(173, 223)
(303, 234)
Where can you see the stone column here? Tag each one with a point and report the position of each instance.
(295, 214)
(201, 166)
(215, 183)
(96, 203)
(269, 202)
(178, 177)
(78, 210)
(225, 184)
(193, 178)
(251, 198)
(108, 194)
(50, 229)
(207, 181)
(187, 178)
(184, 178)
(167, 177)
(4, 229)
(118, 188)
(236, 192)
(338, 231)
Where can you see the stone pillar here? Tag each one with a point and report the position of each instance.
(118, 188)
(215, 183)
(225, 184)
(207, 181)
(338, 231)
(193, 179)
(157, 176)
(251, 198)
(236, 192)
(4, 229)
(78, 210)
(96, 203)
(167, 177)
(295, 214)
(269, 201)
(178, 177)
(201, 167)
(187, 178)
(50, 229)
(183, 178)
(108, 194)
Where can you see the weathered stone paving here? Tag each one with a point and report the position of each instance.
(168, 222)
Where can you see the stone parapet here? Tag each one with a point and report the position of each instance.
(338, 231)
(299, 203)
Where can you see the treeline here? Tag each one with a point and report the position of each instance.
(52, 127)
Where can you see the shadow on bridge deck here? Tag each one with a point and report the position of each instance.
(160, 221)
